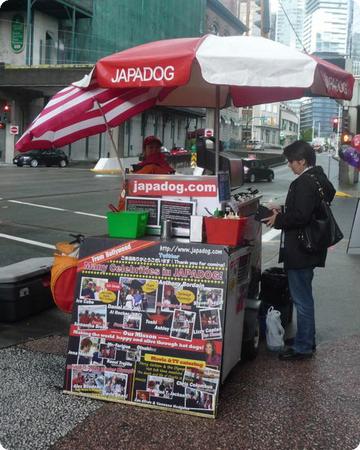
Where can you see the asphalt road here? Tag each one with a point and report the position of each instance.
(42, 206)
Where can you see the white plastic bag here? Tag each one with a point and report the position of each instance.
(274, 330)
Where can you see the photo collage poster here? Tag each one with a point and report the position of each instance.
(147, 324)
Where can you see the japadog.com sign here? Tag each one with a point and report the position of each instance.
(171, 186)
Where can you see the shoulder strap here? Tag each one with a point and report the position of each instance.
(318, 185)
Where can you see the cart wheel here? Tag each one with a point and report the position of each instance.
(250, 347)
(34, 163)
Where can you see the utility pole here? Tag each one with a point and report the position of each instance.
(313, 130)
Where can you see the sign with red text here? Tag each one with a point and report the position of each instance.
(143, 186)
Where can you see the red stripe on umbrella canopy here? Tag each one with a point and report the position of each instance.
(75, 113)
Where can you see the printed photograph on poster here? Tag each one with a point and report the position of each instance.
(210, 323)
(88, 346)
(138, 294)
(195, 399)
(132, 321)
(133, 355)
(202, 379)
(169, 300)
(92, 316)
(115, 384)
(182, 326)
(212, 354)
(107, 351)
(177, 295)
(160, 317)
(209, 297)
(87, 378)
(91, 288)
(160, 386)
(142, 396)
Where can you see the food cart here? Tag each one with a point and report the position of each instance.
(159, 323)
(166, 326)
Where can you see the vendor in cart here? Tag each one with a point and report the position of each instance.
(153, 161)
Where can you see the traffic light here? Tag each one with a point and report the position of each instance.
(6, 113)
(335, 123)
(346, 137)
(345, 121)
(263, 13)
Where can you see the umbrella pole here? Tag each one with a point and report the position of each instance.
(217, 128)
(111, 139)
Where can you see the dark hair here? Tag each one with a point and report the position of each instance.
(213, 349)
(300, 150)
(85, 343)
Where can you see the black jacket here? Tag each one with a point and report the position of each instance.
(302, 200)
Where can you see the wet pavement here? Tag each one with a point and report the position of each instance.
(264, 404)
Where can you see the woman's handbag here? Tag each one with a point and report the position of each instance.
(322, 232)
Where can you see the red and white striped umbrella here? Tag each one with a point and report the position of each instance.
(75, 113)
(210, 71)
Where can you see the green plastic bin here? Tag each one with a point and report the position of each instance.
(127, 224)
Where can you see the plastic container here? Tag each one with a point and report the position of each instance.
(25, 289)
(127, 224)
(225, 231)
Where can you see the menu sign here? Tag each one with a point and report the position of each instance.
(147, 324)
(177, 211)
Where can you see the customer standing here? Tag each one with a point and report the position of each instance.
(302, 201)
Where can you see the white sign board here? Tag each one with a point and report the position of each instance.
(14, 129)
(354, 240)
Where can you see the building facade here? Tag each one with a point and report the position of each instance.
(326, 26)
(42, 34)
(353, 46)
(325, 34)
(290, 22)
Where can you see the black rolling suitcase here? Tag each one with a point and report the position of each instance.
(274, 291)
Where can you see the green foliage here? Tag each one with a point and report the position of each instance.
(306, 135)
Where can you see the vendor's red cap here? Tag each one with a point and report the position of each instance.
(151, 139)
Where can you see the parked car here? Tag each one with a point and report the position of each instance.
(255, 145)
(34, 158)
(255, 169)
(179, 151)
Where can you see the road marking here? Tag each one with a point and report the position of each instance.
(87, 214)
(26, 241)
(56, 209)
(269, 235)
(36, 205)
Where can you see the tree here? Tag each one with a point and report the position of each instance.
(306, 135)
